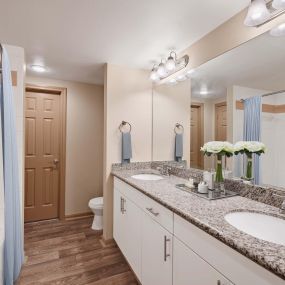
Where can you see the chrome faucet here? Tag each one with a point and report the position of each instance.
(167, 170)
(164, 170)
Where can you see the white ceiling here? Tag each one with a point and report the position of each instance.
(74, 38)
(259, 63)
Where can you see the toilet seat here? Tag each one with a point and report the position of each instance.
(96, 203)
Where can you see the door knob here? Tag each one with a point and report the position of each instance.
(55, 162)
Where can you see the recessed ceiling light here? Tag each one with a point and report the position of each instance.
(204, 91)
(38, 68)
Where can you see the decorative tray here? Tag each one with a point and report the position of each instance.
(211, 195)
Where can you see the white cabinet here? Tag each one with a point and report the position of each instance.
(127, 230)
(156, 253)
(164, 249)
(191, 269)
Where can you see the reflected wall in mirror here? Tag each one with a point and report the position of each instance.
(217, 110)
(171, 105)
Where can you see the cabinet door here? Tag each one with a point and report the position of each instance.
(127, 230)
(119, 230)
(156, 253)
(191, 269)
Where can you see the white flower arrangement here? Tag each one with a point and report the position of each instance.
(219, 148)
(249, 147)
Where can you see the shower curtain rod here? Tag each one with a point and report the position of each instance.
(269, 94)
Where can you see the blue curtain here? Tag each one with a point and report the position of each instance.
(13, 245)
(252, 128)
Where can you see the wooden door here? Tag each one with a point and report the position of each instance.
(221, 122)
(42, 152)
(196, 138)
(156, 253)
(191, 269)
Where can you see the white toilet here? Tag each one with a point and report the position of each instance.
(96, 205)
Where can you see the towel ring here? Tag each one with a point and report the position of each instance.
(177, 128)
(124, 123)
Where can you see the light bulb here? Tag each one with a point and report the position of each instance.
(153, 75)
(170, 64)
(161, 71)
(189, 73)
(181, 77)
(278, 31)
(278, 4)
(172, 81)
(257, 13)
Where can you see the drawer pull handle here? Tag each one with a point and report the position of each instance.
(151, 211)
(123, 210)
(165, 248)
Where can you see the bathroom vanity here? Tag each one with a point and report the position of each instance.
(169, 236)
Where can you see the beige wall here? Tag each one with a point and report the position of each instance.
(127, 97)
(171, 105)
(84, 142)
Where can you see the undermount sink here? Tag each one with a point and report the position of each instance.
(261, 226)
(149, 177)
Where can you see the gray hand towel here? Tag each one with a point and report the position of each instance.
(126, 147)
(178, 147)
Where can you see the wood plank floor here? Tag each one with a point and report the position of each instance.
(69, 252)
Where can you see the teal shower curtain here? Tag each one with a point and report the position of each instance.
(252, 128)
(13, 244)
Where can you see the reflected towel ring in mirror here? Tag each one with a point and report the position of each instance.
(123, 124)
(177, 128)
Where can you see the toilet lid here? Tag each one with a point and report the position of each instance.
(96, 202)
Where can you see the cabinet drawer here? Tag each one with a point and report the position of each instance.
(159, 213)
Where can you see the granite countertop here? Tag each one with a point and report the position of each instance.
(209, 216)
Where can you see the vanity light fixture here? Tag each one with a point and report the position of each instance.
(278, 4)
(260, 12)
(161, 71)
(257, 13)
(153, 74)
(171, 61)
(38, 68)
(170, 67)
(278, 31)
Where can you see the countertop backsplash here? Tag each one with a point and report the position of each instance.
(270, 195)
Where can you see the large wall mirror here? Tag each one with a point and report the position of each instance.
(216, 109)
